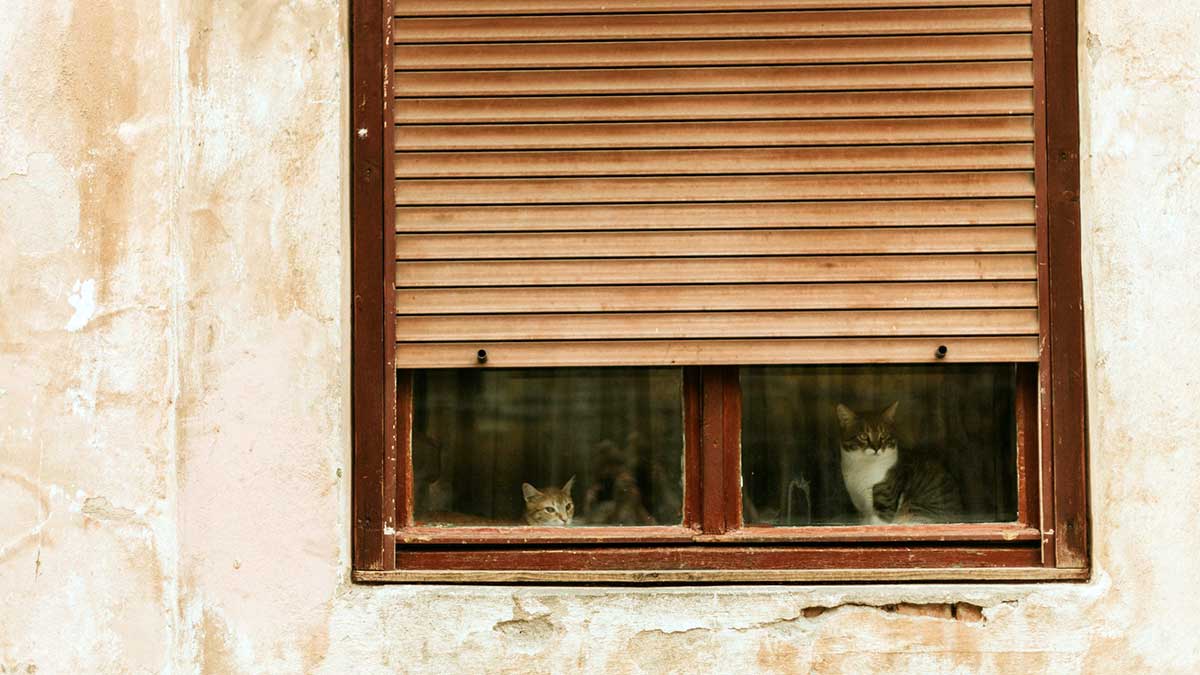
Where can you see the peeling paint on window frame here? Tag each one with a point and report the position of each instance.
(1053, 544)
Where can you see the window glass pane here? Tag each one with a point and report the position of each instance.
(548, 446)
(878, 444)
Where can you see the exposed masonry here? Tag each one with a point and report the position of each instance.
(955, 611)
(527, 626)
(101, 508)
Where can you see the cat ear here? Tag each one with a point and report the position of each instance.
(889, 413)
(567, 487)
(845, 415)
(529, 491)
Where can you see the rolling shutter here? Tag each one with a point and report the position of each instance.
(714, 182)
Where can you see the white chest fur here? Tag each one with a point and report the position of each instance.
(861, 471)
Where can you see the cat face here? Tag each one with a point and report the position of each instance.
(550, 507)
(870, 433)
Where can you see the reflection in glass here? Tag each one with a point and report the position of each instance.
(548, 447)
(878, 444)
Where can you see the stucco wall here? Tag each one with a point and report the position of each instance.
(174, 431)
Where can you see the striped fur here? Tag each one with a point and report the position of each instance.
(914, 488)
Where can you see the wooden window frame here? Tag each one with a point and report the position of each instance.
(1050, 540)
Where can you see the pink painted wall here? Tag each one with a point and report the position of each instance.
(174, 435)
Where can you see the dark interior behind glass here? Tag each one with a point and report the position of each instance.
(478, 435)
(958, 417)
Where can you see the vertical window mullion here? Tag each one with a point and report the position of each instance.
(404, 464)
(693, 494)
(1028, 474)
(712, 446)
(720, 440)
(732, 445)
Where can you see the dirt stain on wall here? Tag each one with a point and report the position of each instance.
(98, 85)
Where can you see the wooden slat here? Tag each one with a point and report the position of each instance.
(696, 216)
(501, 7)
(703, 25)
(716, 297)
(716, 188)
(697, 162)
(682, 325)
(1005, 266)
(682, 107)
(715, 52)
(736, 79)
(717, 352)
(998, 129)
(995, 239)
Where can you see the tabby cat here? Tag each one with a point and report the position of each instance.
(549, 507)
(887, 485)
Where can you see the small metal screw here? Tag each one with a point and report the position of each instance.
(481, 355)
(941, 352)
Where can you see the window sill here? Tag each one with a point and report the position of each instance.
(686, 577)
(518, 535)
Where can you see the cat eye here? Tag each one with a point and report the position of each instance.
(549, 509)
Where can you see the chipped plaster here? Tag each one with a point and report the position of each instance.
(172, 487)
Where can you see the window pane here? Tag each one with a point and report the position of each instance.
(878, 444)
(548, 446)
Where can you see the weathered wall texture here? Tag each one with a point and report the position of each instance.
(173, 383)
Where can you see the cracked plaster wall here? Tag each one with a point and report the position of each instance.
(174, 406)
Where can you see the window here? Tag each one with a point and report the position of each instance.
(693, 290)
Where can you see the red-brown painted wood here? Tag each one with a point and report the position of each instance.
(1026, 405)
(404, 474)
(522, 535)
(373, 474)
(693, 504)
(1051, 465)
(1045, 462)
(711, 557)
(1068, 379)
(712, 447)
(731, 400)
(827, 535)
(889, 534)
